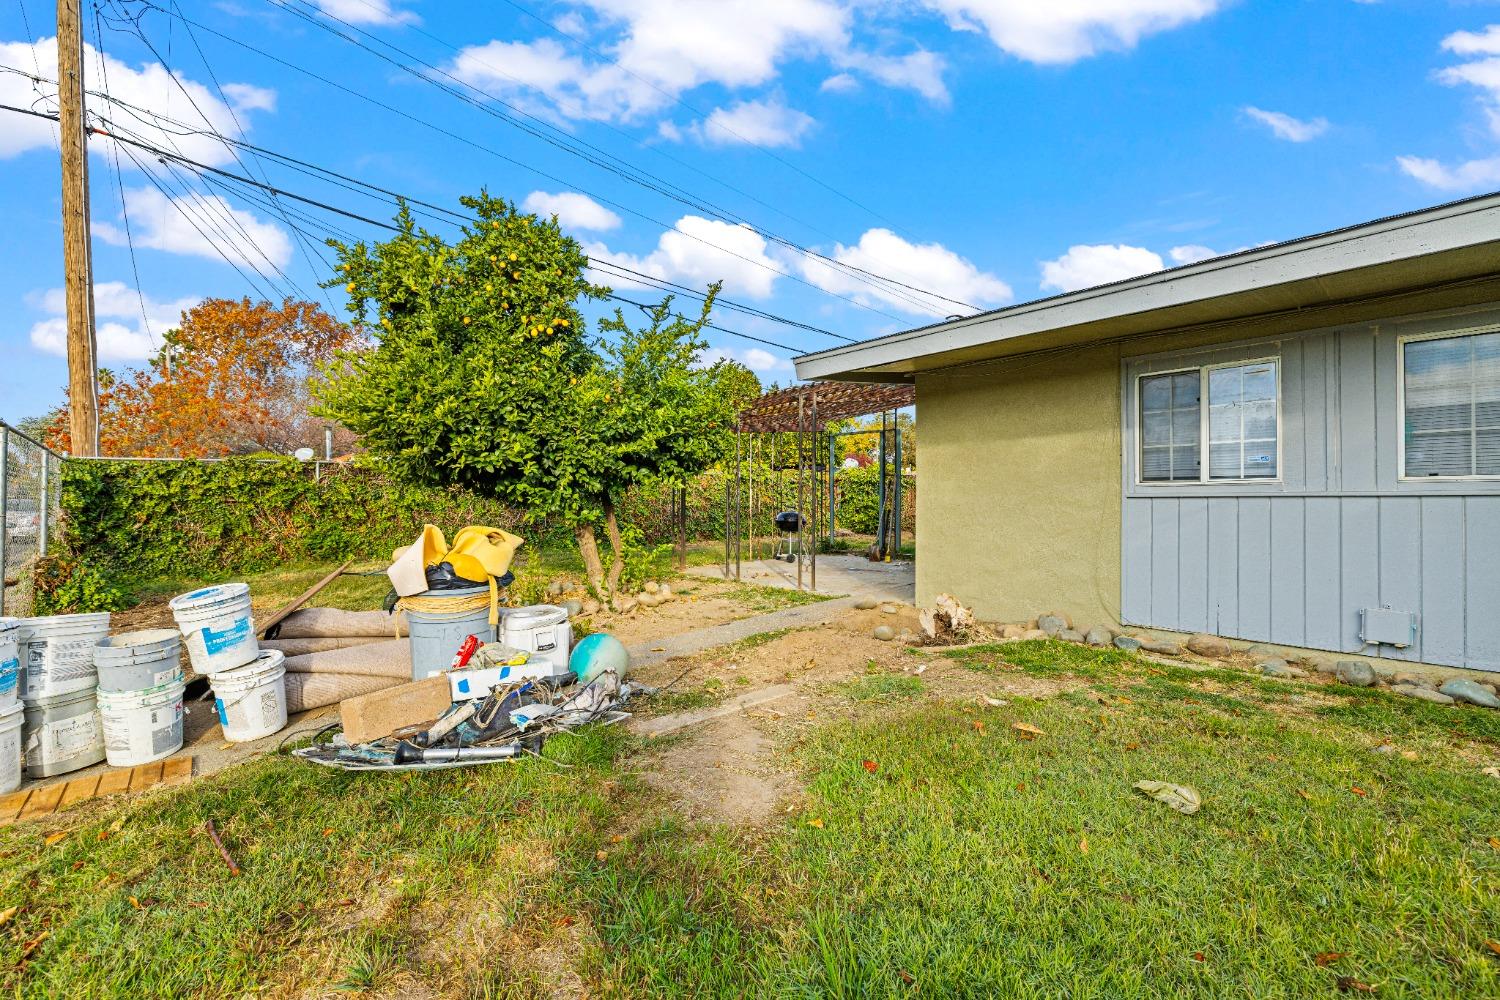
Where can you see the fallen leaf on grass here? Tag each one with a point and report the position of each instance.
(54, 838)
(328, 831)
(563, 921)
(1083, 846)
(1304, 793)
(995, 702)
(869, 765)
(1493, 772)
(1495, 843)
(906, 977)
(8, 914)
(815, 823)
(1026, 731)
(1132, 746)
(1348, 984)
(1491, 945)
(34, 944)
(1183, 798)
(1198, 956)
(618, 838)
(1328, 957)
(979, 726)
(1358, 791)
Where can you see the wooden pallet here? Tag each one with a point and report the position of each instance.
(32, 803)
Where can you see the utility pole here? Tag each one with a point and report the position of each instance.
(78, 266)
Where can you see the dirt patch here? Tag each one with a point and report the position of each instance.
(698, 603)
(724, 771)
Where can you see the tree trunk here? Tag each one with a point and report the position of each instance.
(588, 547)
(612, 530)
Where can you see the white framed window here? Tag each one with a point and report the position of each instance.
(1450, 406)
(1234, 408)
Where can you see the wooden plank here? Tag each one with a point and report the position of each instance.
(42, 802)
(11, 806)
(303, 598)
(80, 789)
(177, 771)
(144, 776)
(114, 782)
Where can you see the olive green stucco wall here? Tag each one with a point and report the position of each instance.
(1020, 482)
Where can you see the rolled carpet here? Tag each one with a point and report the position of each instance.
(301, 647)
(305, 691)
(320, 623)
(390, 659)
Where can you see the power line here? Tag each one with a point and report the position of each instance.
(832, 262)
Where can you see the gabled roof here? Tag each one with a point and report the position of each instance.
(1451, 243)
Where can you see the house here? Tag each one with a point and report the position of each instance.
(1297, 444)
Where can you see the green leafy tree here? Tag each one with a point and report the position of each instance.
(481, 373)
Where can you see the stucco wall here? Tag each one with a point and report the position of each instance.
(1020, 473)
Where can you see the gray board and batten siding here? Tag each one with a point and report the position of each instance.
(1295, 559)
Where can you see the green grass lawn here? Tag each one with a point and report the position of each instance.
(936, 853)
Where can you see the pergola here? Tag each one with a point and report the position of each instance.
(805, 411)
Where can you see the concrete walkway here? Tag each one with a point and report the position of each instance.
(842, 574)
(698, 640)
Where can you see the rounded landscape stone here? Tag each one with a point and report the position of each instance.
(884, 633)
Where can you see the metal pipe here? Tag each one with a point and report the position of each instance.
(4, 507)
(328, 444)
(833, 510)
(42, 505)
(812, 477)
(880, 520)
(738, 504)
(800, 519)
(896, 518)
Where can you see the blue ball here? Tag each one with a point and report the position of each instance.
(597, 653)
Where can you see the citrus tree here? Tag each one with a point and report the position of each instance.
(481, 372)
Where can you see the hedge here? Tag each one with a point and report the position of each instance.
(143, 520)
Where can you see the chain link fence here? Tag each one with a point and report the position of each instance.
(29, 479)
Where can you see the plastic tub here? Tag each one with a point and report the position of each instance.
(59, 654)
(63, 733)
(217, 627)
(141, 726)
(11, 719)
(251, 700)
(543, 631)
(436, 636)
(138, 661)
(10, 661)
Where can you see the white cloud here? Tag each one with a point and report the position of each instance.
(758, 360)
(574, 210)
(698, 252)
(149, 87)
(248, 97)
(921, 71)
(381, 13)
(767, 122)
(1284, 126)
(839, 83)
(930, 266)
(1470, 175)
(1085, 266)
(1483, 73)
(163, 223)
(1474, 43)
(123, 333)
(1064, 31)
(661, 49)
(1192, 253)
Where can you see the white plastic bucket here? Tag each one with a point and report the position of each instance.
(11, 718)
(138, 661)
(62, 734)
(59, 654)
(141, 726)
(10, 663)
(542, 630)
(251, 700)
(217, 627)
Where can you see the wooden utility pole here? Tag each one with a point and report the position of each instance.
(78, 266)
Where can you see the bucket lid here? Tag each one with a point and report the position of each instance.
(10, 711)
(171, 689)
(9, 625)
(266, 661)
(64, 623)
(534, 616)
(207, 596)
(60, 700)
(149, 643)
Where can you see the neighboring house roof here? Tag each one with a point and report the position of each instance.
(1449, 245)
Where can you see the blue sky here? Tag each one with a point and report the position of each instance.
(981, 151)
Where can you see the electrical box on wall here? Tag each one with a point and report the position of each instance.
(1387, 627)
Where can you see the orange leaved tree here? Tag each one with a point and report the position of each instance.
(231, 380)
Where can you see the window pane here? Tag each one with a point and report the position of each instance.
(1169, 427)
(1451, 389)
(1242, 421)
(1488, 458)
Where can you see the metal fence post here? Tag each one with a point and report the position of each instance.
(43, 503)
(4, 508)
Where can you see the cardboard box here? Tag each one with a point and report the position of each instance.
(380, 713)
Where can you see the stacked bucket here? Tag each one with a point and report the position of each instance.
(62, 729)
(10, 706)
(140, 695)
(249, 683)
